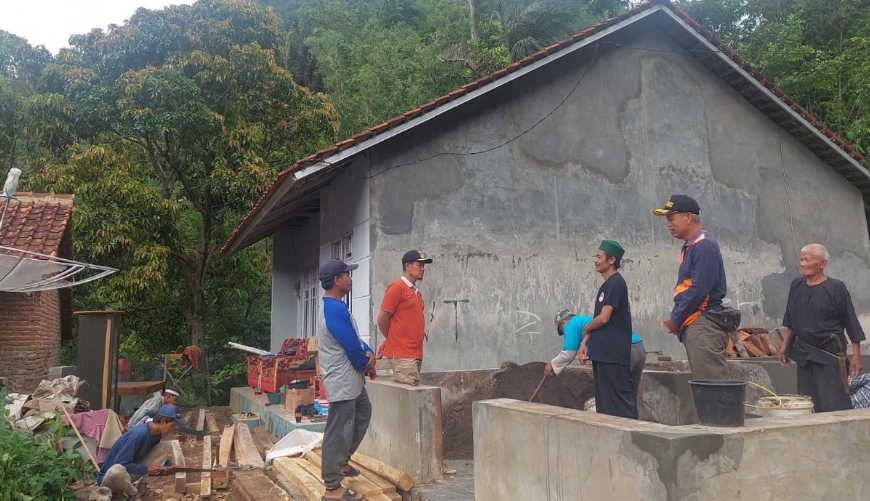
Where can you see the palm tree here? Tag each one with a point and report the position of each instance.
(526, 30)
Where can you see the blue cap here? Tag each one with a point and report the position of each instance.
(171, 411)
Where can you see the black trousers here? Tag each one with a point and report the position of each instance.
(613, 395)
(824, 385)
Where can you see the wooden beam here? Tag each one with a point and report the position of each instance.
(383, 485)
(226, 446)
(245, 444)
(221, 479)
(255, 486)
(265, 437)
(309, 486)
(359, 484)
(401, 479)
(205, 477)
(386, 486)
(200, 422)
(212, 422)
(263, 440)
(178, 460)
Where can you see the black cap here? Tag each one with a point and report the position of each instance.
(678, 203)
(415, 255)
(334, 268)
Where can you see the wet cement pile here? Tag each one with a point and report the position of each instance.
(569, 389)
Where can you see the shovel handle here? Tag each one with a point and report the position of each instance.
(535, 394)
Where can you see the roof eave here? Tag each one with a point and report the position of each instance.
(769, 93)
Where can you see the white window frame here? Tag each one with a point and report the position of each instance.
(343, 249)
(310, 296)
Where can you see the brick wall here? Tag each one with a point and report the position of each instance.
(30, 332)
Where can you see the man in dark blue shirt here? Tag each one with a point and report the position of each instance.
(137, 452)
(698, 318)
(610, 333)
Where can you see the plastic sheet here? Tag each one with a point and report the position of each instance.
(297, 442)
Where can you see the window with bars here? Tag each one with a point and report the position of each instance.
(343, 249)
(310, 301)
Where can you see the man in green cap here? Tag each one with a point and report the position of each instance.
(610, 333)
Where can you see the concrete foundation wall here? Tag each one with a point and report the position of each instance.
(533, 451)
(405, 431)
(514, 230)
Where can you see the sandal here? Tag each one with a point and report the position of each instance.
(351, 472)
(348, 495)
(447, 470)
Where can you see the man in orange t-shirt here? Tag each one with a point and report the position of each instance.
(401, 320)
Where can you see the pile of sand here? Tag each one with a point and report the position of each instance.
(569, 389)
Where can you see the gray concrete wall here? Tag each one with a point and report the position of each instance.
(405, 430)
(532, 451)
(293, 249)
(514, 230)
(345, 209)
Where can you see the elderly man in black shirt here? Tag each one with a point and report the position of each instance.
(819, 309)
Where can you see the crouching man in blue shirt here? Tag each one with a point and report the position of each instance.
(570, 326)
(139, 452)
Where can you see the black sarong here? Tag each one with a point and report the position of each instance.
(613, 395)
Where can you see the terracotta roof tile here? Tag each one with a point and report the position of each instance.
(36, 222)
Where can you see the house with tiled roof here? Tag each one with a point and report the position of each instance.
(511, 182)
(33, 324)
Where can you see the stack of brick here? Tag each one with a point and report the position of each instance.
(754, 342)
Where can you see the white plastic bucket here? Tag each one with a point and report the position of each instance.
(785, 405)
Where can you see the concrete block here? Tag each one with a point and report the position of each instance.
(532, 451)
(61, 371)
(406, 430)
(251, 422)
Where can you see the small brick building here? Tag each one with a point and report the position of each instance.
(33, 324)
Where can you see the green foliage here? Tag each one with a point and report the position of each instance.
(31, 469)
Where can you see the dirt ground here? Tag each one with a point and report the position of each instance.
(570, 389)
(192, 450)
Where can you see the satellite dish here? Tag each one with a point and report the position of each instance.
(26, 271)
(11, 184)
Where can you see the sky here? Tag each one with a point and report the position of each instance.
(51, 22)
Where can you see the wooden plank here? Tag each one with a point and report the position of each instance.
(255, 486)
(226, 446)
(178, 460)
(265, 437)
(401, 479)
(187, 416)
(310, 487)
(221, 479)
(200, 422)
(211, 422)
(359, 484)
(205, 477)
(246, 444)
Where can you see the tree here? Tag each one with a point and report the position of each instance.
(184, 116)
(376, 64)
